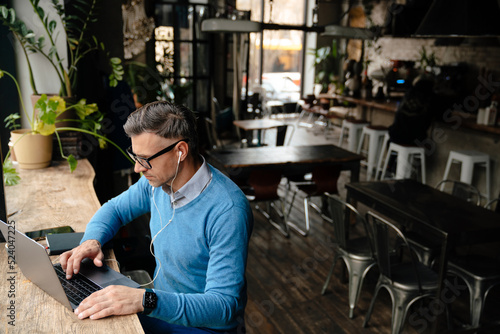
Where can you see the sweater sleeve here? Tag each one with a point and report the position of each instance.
(118, 212)
(224, 298)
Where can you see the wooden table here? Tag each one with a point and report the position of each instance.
(431, 212)
(259, 125)
(46, 198)
(292, 159)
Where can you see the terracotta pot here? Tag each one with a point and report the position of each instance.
(33, 151)
(68, 114)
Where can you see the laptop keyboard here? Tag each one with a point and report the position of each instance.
(78, 287)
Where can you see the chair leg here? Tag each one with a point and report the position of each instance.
(320, 211)
(372, 304)
(291, 201)
(283, 230)
(295, 227)
(477, 296)
(357, 273)
(323, 290)
(401, 303)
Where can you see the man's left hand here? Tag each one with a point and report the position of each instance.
(112, 300)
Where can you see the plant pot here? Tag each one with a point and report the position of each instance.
(12, 152)
(33, 151)
(68, 114)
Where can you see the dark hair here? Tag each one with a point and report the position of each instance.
(165, 120)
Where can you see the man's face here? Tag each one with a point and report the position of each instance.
(164, 167)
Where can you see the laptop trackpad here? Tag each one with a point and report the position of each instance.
(105, 276)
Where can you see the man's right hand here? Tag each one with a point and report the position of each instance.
(70, 260)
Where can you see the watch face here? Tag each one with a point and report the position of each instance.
(150, 299)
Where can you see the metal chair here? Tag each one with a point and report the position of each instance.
(461, 190)
(324, 180)
(425, 250)
(357, 253)
(263, 188)
(407, 281)
(490, 204)
(480, 274)
(213, 140)
(281, 132)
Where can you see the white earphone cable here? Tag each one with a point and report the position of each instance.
(161, 222)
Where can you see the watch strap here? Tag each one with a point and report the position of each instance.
(149, 301)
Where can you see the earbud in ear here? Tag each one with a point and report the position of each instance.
(180, 153)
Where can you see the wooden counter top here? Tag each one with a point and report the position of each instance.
(390, 105)
(46, 198)
(467, 121)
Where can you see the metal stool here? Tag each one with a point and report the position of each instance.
(376, 135)
(405, 156)
(354, 126)
(468, 159)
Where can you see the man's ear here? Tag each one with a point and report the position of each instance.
(183, 149)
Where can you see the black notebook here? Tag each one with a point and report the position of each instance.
(61, 242)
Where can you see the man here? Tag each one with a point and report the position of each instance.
(415, 113)
(200, 226)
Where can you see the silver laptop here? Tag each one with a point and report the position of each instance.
(36, 265)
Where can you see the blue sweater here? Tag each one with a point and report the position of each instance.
(201, 255)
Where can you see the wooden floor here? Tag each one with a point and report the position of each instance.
(285, 277)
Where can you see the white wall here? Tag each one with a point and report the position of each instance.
(46, 79)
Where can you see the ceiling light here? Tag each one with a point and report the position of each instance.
(227, 25)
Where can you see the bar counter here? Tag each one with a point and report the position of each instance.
(45, 198)
(466, 120)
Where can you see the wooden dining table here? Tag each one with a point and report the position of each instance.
(291, 159)
(445, 219)
(260, 125)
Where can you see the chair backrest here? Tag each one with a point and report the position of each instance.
(343, 214)
(213, 141)
(385, 238)
(493, 205)
(281, 135)
(216, 105)
(264, 183)
(461, 190)
(326, 178)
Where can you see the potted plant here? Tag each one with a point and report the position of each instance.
(42, 126)
(326, 65)
(79, 41)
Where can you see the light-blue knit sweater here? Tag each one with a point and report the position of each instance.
(203, 251)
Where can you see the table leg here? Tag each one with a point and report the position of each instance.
(355, 169)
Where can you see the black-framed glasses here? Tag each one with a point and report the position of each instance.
(145, 162)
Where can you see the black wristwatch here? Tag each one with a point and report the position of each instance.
(149, 300)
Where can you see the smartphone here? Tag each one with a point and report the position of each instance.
(41, 234)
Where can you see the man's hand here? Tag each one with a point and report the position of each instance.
(70, 260)
(112, 300)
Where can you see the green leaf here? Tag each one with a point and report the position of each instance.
(52, 51)
(115, 60)
(72, 163)
(10, 175)
(52, 26)
(40, 11)
(5, 12)
(12, 16)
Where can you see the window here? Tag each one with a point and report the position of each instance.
(181, 51)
